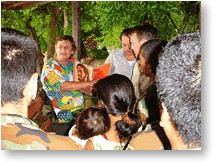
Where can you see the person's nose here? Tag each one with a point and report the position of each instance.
(128, 47)
(63, 50)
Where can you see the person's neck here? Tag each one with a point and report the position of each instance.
(177, 143)
(112, 134)
(174, 138)
(19, 108)
(62, 62)
(129, 57)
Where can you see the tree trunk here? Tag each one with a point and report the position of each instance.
(65, 20)
(76, 8)
(53, 32)
(200, 16)
(32, 32)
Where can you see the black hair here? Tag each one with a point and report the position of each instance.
(19, 55)
(125, 32)
(67, 38)
(91, 122)
(179, 85)
(117, 93)
(150, 50)
(145, 31)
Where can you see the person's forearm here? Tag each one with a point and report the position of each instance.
(73, 86)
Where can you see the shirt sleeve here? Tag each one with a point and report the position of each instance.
(109, 59)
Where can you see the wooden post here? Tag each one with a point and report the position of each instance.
(76, 8)
(53, 32)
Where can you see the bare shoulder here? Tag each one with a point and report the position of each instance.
(58, 142)
(146, 141)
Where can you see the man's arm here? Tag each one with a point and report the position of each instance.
(75, 86)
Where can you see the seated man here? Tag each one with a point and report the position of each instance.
(57, 80)
(123, 60)
(179, 87)
(18, 87)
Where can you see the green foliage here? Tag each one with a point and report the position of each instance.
(103, 21)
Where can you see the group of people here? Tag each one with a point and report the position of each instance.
(151, 99)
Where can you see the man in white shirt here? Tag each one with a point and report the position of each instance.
(123, 60)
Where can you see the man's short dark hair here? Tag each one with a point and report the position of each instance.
(18, 62)
(145, 31)
(67, 38)
(179, 85)
(125, 32)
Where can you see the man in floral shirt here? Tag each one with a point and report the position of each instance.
(57, 80)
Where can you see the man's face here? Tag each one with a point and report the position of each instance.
(63, 50)
(125, 41)
(126, 46)
(135, 43)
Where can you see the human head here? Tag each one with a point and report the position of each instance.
(64, 48)
(92, 122)
(117, 94)
(19, 55)
(141, 34)
(149, 53)
(179, 87)
(126, 45)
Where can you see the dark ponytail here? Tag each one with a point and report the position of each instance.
(129, 125)
(117, 93)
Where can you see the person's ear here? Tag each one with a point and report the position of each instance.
(30, 90)
(55, 47)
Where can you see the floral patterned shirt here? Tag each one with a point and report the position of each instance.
(53, 75)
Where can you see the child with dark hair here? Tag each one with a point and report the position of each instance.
(89, 123)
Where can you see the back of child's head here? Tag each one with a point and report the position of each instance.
(92, 122)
